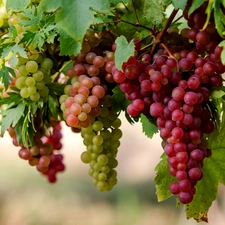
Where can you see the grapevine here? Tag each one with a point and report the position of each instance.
(164, 70)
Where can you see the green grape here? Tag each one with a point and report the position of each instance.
(97, 167)
(97, 148)
(105, 134)
(44, 92)
(97, 126)
(20, 82)
(116, 123)
(67, 89)
(87, 142)
(32, 90)
(63, 107)
(112, 163)
(82, 116)
(23, 71)
(94, 156)
(22, 61)
(38, 76)
(95, 175)
(87, 130)
(97, 140)
(102, 159)
(46, 63)
(89, 147)
(34, 54)
(90, 172)
(92, 163)
(40, 85)
(112, 180)
(63, 98)
(105, 169)
(116, 134)
(102, 176)
(86, 157)
(24, 93)
(102, 186)
(31, 66)
(35, 97)
(30, 81)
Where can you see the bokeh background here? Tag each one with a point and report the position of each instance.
(26, 198)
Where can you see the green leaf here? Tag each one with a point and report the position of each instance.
(76, 16)
(213, 171)
(147, 127)
(17, 5)
(43, 30)
(6, 74)
(12, 99)
(68, 45)
(179, 4)
(219, 17)
(195, 5)
(11, 117)
(163, 179)
(119, 102)
(50, 6)
(218, 93)
(17, 50)
(222, 44)
(153, 11)
(123, 51)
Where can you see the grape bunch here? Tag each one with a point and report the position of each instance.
(33, 75)
(101, 139)
(89, 79)
(43, 152)
(175, 90)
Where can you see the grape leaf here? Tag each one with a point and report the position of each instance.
(195, 5)
(50, 6)
(222, 44)
(123, 51)
(68, 45)
(15, 50)
(153, 11)
(163, 179)
(219, 17)
(179, 4)
(76, 16)
(119, 102)
(147, 127)
(6, 74)
(11, 117)
(213, 171)
(17, 5)
(43, 30)
(12, 99)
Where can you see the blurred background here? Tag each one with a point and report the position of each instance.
(26, 198)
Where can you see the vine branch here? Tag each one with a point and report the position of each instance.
(159, 36)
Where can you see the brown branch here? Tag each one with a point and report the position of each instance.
(168, 51)
(4, 34)
(135, 12)
(159, 36)
(132, 24)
